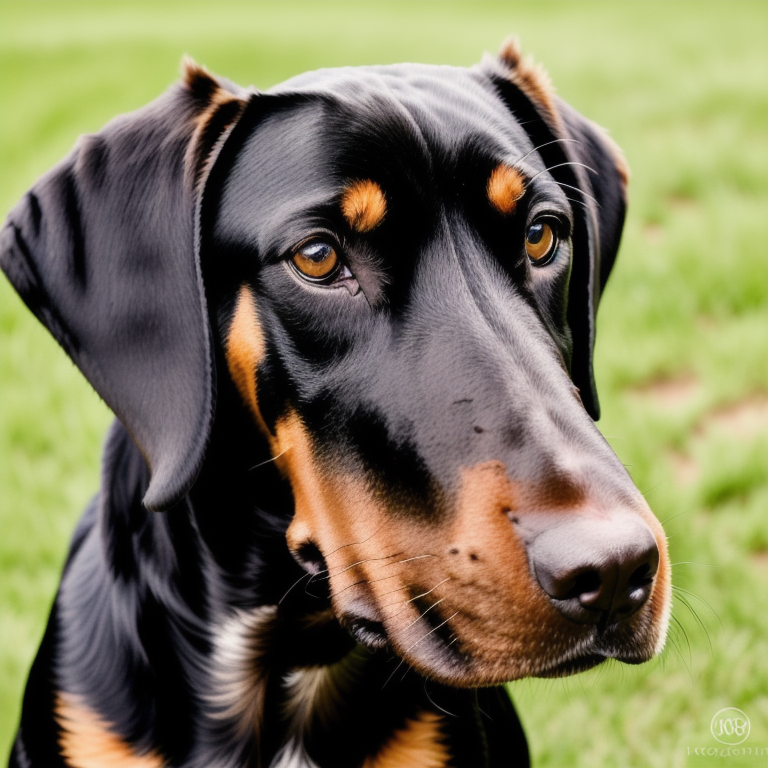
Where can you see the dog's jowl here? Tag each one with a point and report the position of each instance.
(354, 482)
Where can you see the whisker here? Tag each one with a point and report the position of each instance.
(434, 629)
(355, 543)
(419, 618)
(575, 201)
(394, 672)
(541, 146)
(436, 706)
(674, 517)
(364, 581)
(273, 458)
(562, 165)
(679, 626)
(328, 570)
(408, 650)
(570, 186)
(694, 562)
(295, 584)
(696, 616)
(676, 588)
(343, 569)
(424, 594)
(399, 589)
(405, 603)
(408, 560)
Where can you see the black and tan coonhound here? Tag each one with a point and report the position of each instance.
(354, 484)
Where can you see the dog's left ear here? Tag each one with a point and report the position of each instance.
(104, 250)
(602, 178)
(592, 170)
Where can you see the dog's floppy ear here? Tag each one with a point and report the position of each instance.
(104, 250)
(605, 178)
(591, 168)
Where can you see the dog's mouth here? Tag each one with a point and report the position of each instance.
(371, 634)
(456, 598)
(439, 647)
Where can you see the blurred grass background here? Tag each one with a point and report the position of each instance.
(682, 358)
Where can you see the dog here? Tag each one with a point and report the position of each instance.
(354, 483)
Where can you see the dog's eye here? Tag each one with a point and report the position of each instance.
(316, 261)
(540, 243)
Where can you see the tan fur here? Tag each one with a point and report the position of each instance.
(471, 569)
(490, 604)
(219, 109)
(197, 78)
(245, 350)
(419, 744)
(364, 205)
(532, 79)
(88, 741)
(505, 187)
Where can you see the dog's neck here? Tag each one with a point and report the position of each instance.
(280, 673)
(237, 654)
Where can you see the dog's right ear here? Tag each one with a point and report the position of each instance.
(104, 250)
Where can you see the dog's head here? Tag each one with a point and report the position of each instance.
(400, 267)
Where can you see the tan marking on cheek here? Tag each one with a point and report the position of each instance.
(88, 741)
(505, 187)
(313, 496)
(418, 744)
(245, 350)
(333, 511)
(363, 205)
(329, 510)
(532, 79)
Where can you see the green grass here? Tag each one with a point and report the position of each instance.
(682, 357)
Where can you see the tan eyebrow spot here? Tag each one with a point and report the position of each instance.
(363, 205)
(505, 187)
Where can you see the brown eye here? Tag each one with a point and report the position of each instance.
(316, 261)
(540, 243)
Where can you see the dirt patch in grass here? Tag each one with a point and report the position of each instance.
(744, 420)
(685, 469)
(653, 233)
(670, 393)
(681, 203)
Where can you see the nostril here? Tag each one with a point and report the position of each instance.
(642, 576)
(584, 585)
(596, 571)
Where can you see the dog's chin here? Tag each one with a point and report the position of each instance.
(438, 656)
(572, 666)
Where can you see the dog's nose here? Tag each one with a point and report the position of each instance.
(596, 571)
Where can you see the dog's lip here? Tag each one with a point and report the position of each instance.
(363, 621)
(572, 666)
(369, 633)
(589, 653)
